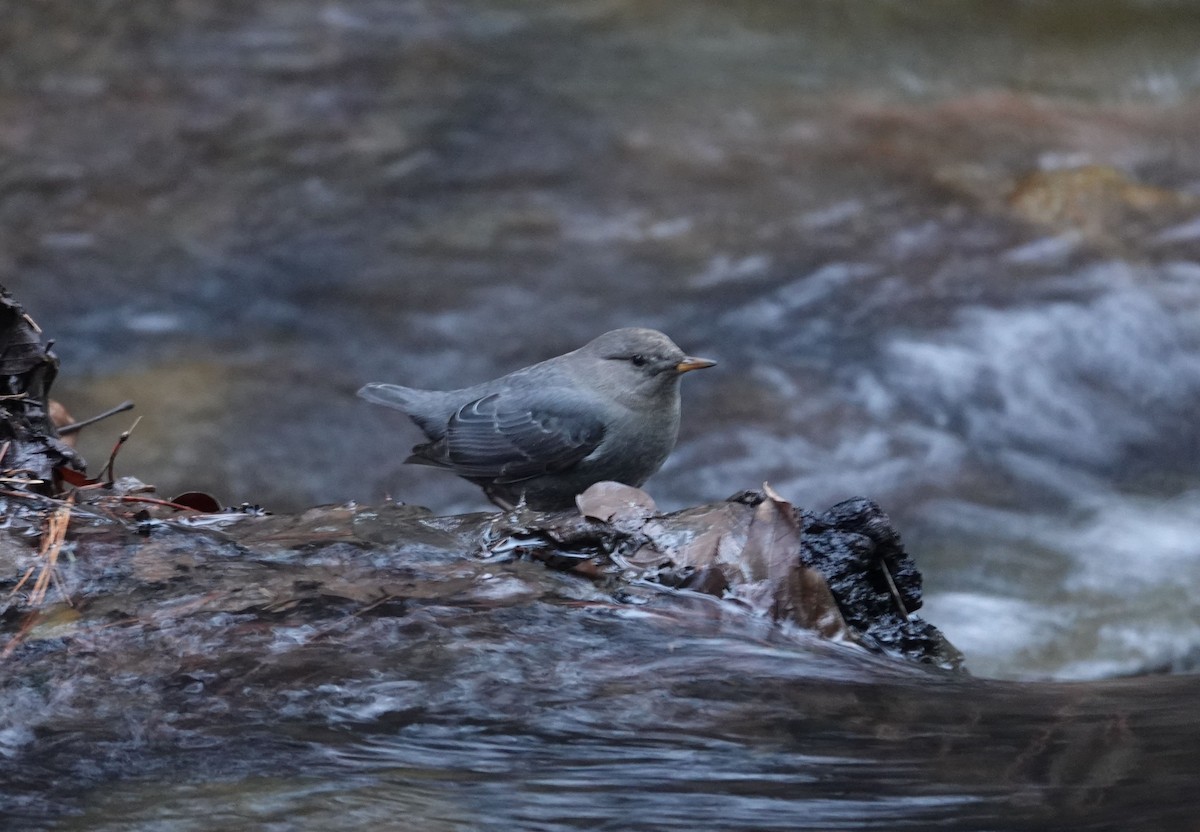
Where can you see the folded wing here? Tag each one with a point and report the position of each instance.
(510, 441)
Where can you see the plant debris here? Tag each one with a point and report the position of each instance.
(842, 574)
(32, 448)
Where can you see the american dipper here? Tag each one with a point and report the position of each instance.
(606, 411)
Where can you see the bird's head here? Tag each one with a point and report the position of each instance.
(637, 362)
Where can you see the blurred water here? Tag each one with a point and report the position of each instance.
(235, 214)
(1040, 455)
(553, 708)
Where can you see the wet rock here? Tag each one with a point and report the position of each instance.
(389, 639)
(876, 582)
(843, 573)
(31, 447)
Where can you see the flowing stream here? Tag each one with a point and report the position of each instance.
(947, 255)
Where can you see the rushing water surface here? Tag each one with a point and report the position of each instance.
(352, 667)
(946, 254)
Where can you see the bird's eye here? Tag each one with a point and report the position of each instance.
(639, 360)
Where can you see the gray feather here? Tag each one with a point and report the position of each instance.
(606, 411)
(509, 441)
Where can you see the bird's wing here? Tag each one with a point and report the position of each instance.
(510, 440)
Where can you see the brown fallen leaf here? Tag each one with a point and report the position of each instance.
(809, 603)
(197, 501)
(59, 417)
(623, 506)
(748, 552)
(775, 582)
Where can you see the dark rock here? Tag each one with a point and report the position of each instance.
(876, 582)
(27, 370)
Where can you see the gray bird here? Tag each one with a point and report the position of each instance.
(606, 411)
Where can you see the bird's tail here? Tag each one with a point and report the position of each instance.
(425, 407)
(391, 395)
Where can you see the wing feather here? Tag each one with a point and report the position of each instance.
(510, 439)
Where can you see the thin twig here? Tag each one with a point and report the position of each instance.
(133, 498)
(4, 492)
(887, 573)
(21, 582)
(19, 636)
(376, 603)
(77, 510)
(62, 590)
(112, 457)
(67, 430)
(52, 542)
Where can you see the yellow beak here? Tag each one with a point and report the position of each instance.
(692, 363)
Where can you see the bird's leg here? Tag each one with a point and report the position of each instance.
(501, 503)
(519, 507)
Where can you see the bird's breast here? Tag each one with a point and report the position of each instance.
(636, 444)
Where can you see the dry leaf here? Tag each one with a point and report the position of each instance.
(623, 506)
